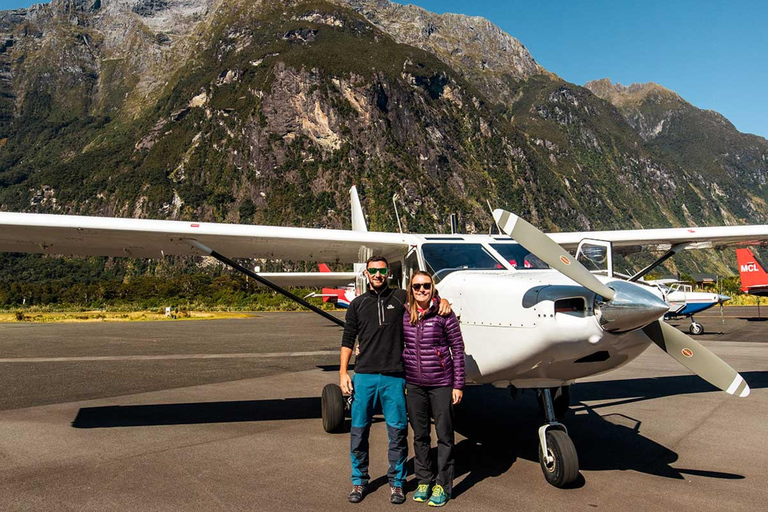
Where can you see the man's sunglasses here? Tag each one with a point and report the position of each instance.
(382, 271)
(419, 286)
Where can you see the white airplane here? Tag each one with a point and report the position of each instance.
(684, 302)
(531, 314)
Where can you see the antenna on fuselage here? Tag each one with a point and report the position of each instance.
(490, 209)
(395, 197)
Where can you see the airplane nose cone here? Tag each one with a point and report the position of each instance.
(723, 298)
(631, 308)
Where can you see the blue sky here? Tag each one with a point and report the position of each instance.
(713, 53)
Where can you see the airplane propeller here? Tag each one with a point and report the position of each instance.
(696, 358)
(548, 251)
(627, 307)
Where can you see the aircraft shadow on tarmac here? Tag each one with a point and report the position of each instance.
(112, 416)
(498, 429)
(195, 413)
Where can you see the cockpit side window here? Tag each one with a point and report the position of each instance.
(443, 259)
(519, 257)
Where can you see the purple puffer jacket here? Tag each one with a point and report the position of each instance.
(434, 350)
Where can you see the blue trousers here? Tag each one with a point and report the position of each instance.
(371, 389)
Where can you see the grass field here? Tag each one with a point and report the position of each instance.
(117, 316)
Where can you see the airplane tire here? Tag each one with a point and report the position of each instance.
(564, 469)
(332, 405)
(696, 329)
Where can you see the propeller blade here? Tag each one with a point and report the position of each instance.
(549, 252)
(696, 358)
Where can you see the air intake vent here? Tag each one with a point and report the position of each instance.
(596, 357)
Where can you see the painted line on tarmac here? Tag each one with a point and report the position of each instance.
(253, 355)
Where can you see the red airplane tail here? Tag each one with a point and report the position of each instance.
(323, 267)
(751, 272)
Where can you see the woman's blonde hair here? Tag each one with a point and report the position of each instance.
(413, 306)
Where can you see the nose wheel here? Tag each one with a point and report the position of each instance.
(695, 328)
(557, 456)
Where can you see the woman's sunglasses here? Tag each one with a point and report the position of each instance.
(419, 286)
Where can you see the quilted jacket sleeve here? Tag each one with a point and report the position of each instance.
(456, 342)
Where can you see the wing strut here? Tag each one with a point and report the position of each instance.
(265, 282)
(674, 250)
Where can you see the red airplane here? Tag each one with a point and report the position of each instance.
(754, 280)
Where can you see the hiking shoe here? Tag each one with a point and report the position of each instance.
(356, 496)
(439, 497)
(396, 497)
(422, 493)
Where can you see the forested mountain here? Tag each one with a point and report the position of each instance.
(267, 111)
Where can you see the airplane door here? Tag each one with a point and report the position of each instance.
(596, 255)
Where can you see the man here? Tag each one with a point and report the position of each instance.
(375, 319)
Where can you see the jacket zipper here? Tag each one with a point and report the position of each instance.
(418, 349)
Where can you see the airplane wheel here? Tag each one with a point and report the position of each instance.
(564, 469)
(332, 405)
(696, 329)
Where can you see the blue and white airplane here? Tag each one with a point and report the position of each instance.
(684, 302)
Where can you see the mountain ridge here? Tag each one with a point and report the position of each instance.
(266, 112)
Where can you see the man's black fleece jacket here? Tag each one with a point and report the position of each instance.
(376, 320)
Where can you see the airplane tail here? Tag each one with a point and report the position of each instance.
(750, 270)
(358, 218)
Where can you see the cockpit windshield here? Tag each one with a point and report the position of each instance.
(519, 257)
(442, 259)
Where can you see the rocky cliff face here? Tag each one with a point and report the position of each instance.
(647, 107)
(724, 161)
(471, 45)
(267, 112)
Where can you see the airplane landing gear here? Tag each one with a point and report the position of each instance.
(561, 401)
(333, 407)
(557, 455)
(695, 328)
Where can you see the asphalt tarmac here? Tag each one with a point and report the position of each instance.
(225, 415)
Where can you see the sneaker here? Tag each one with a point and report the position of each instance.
(396, 497)
(439, 497)
(356, 496)
(422, 493)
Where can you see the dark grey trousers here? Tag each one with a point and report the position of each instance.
(424, 403)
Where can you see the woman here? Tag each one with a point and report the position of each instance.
(434, 377)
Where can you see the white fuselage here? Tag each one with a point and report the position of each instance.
(513, 332)
(531, 328)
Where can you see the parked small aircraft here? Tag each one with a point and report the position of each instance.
(684, 302)
(341, 297)
(532, 315)
(754, 280)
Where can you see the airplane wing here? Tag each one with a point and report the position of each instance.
(663, 239)
(311, 279)
(140, 238)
